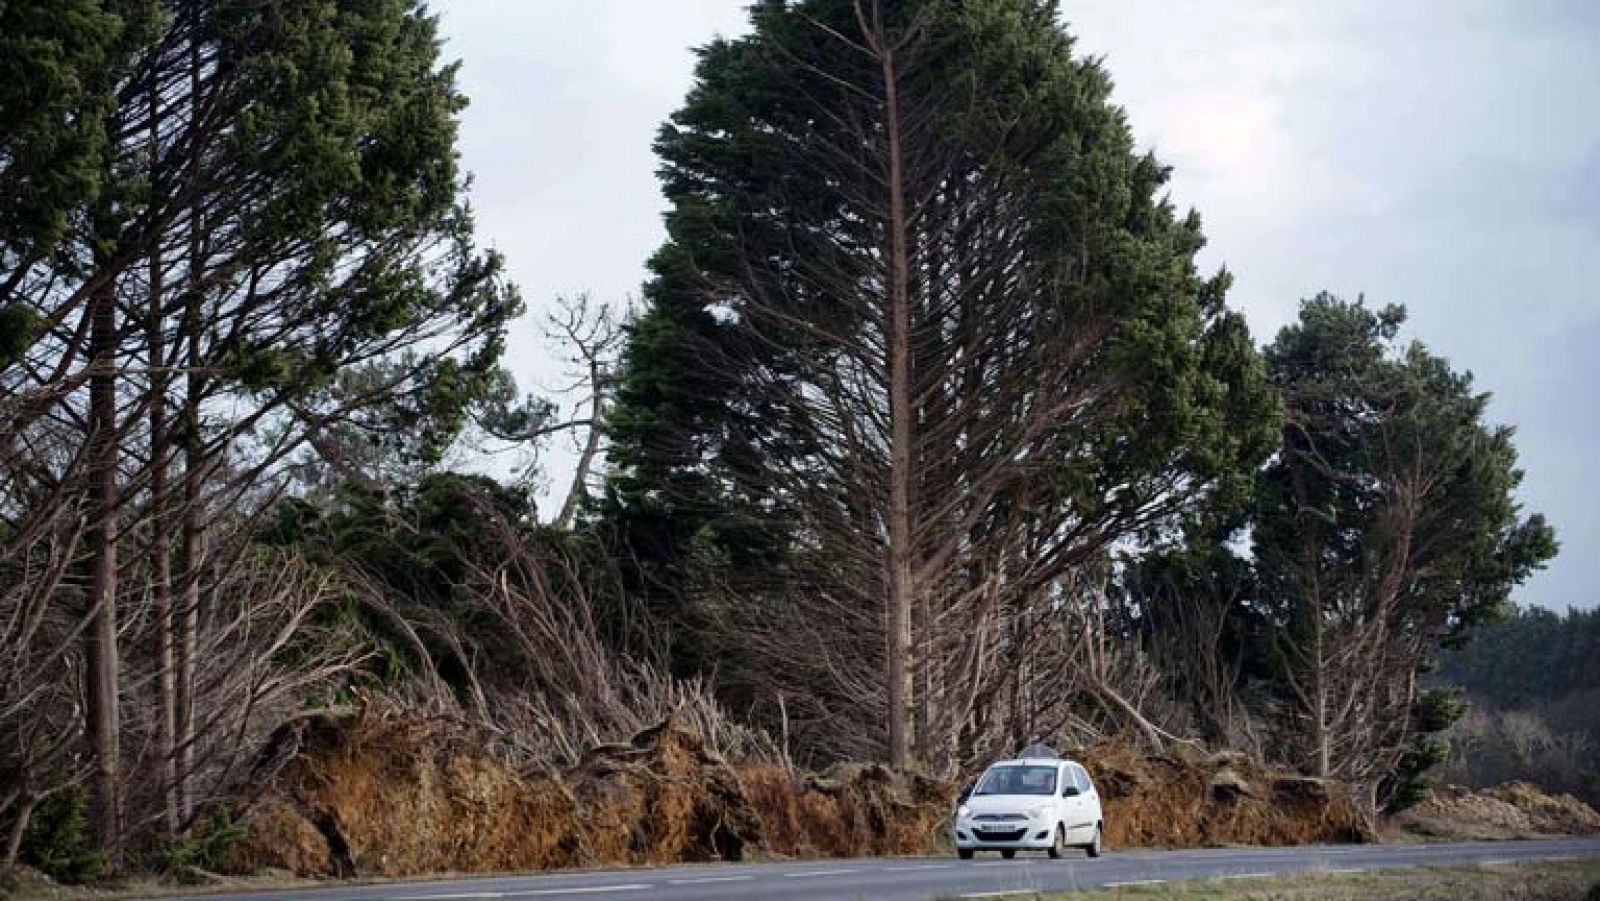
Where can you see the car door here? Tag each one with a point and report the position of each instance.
(1089, 797)
(1076, 811)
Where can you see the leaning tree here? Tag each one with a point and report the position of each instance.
(1386, 528)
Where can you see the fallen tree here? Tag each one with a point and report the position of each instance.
(378, 793)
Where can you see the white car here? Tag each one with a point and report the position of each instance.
(1033, 802)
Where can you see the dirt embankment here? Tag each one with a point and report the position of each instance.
(372, 795)
(1512, 811)
(1199, 800)
(375, 795)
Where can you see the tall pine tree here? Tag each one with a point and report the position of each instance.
(924, 338)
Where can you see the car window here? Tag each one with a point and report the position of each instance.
(1083, 779)
(1018, 779)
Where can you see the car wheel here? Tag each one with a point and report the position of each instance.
(1059, 846)
(964, 853)
(1009, 853)
(1094, 848)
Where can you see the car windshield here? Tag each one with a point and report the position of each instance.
(1018, 780)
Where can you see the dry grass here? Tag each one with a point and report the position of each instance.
(1544, 881)
(1510, 811)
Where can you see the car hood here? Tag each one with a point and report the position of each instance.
(1005, 803)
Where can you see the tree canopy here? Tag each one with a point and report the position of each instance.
(924, 321)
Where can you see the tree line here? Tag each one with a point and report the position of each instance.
(1533, 699)
(228, 233)
(931, 439)
(934, 440)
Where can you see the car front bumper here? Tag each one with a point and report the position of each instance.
(1031, 835)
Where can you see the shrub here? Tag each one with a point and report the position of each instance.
(56, 842)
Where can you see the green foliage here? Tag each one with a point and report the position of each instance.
(1438, 709)
(1532, 654)
(755, 224)
(18, 327)
(1435, 711)
(1388, 522)
(59, 65)
(204, 849)
(418, 544)
(1391, 474)
(416, 538)
(57, 842)
(1411, 782)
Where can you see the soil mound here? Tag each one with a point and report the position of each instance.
(1511, 811)
(1195, 800)
(850, 811)
(371, 795)
(382, 794)
(663, 798)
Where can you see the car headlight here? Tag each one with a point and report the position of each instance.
(962, 812)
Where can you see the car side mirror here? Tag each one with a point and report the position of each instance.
(1070, 791)
(965, 794)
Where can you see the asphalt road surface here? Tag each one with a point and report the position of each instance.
(919, 879)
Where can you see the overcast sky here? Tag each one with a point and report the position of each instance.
(1444, 155)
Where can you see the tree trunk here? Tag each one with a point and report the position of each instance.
(160, 534)
(191, 558)
(1319, 724)
(19, 827)
(193, 528)
(591, 447)
(103, 710)
(902, 587)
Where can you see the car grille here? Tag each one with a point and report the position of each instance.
(1010, 835)
(1000, 818)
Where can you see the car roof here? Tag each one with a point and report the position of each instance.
(1032, 761)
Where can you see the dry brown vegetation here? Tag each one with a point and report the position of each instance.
(1190, 799)
(373, 793)
(1515, 810)
(382, 795)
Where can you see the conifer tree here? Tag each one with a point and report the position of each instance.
(925, 336)
(267, 201)
(1386, 528)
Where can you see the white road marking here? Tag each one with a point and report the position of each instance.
(818, 873)
(1135, 882)
(580, 890)
(1347, 871)
(707, 879)
(1007, 894)
(1244, 876)
(446, 897)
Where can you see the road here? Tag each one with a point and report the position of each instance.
(919, 879)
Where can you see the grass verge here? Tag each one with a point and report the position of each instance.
(1533, 881)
